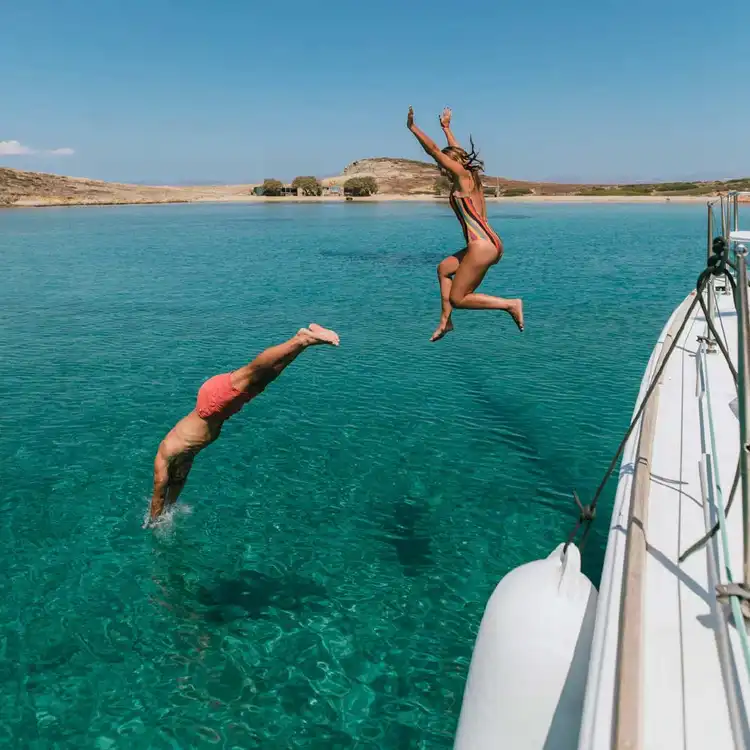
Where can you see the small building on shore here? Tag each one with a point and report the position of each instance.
(286, 191)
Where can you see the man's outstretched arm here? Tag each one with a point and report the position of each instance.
(161, 485)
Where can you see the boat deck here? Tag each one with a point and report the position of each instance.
(678, 686)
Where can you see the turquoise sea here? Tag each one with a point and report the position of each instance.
(323, 580)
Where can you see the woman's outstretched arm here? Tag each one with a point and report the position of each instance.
(445, 124)
(432, 148)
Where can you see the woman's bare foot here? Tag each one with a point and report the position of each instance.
(442, 329)
(516, 312)
(319, 335)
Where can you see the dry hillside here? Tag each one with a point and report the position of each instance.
(23, 188)
(410, 177)
(19, 188)
(394, 176)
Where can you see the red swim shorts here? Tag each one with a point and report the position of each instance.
(218, 397)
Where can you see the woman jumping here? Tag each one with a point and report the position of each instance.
(461, 273)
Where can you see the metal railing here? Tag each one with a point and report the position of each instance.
(743, 360)
(743, 370)
(729, 206)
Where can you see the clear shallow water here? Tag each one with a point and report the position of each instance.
(322, 583)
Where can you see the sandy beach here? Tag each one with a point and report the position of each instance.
(605, 199)
(238, 194)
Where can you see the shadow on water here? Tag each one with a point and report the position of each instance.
(389, 258)
(253, 594)
(412, 547)
(513, 429)
(556, 481)
(510, 217)
(524, 433)
(423, 258)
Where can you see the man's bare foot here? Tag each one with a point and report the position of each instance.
(441, 330)
(320, 335)
(516, 312)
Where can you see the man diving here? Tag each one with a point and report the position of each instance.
(218, 399)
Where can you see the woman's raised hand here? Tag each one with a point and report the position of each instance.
(410, 118)
(445, 118)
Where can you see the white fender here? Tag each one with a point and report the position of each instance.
(528, 672)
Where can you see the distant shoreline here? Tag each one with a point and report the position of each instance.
(397, 180)
(235, 198)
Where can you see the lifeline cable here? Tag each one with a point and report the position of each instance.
(716, 266)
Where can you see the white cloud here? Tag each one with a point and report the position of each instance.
(16, 148)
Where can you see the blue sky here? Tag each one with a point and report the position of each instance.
(239, 90)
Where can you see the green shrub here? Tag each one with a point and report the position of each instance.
(741, 183)
(308, 185)
(619, 190)
(442, 185)
(359, 186)
(272, 187)
(699, 190)
(671, 187)
(515, 192)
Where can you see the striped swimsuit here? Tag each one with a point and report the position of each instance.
(474, 226)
